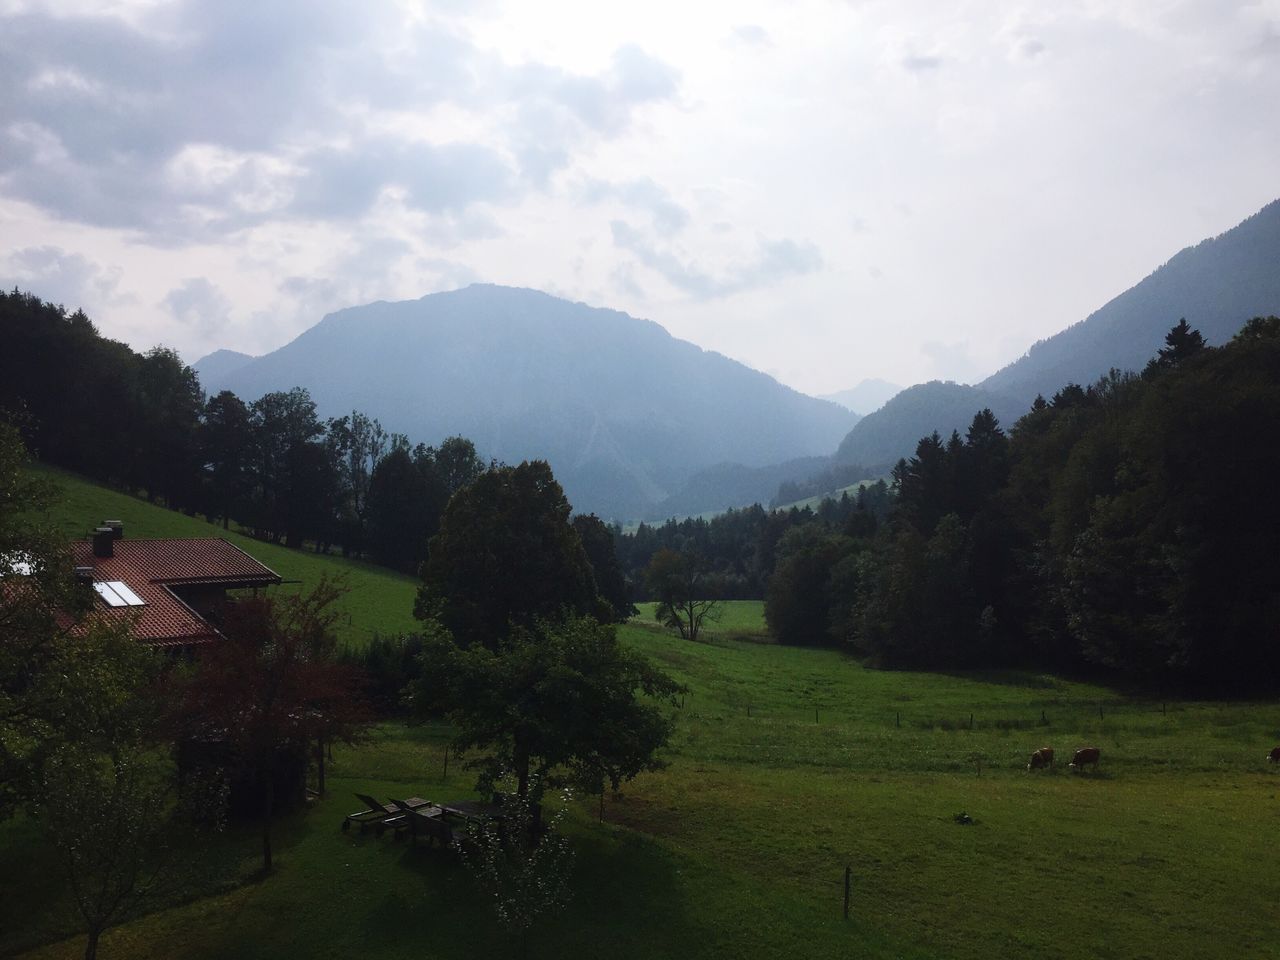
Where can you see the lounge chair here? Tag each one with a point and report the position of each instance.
(376, 813)
(417, 820)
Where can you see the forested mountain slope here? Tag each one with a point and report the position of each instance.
(623, 411)
(892, 432)
(1216, 285)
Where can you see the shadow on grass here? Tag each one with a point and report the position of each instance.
(628, 901)
(36, 907)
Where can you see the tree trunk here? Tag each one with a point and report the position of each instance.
(91, 946)
(521, 760)
(320, 766)
(268, 802)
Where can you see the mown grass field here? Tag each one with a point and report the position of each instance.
(735, 619)
(377, 600)
(787, 765)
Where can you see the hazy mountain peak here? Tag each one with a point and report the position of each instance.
(219, 364)
(867, 397)
(622, 410)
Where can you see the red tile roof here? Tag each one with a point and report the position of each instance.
(150, 567)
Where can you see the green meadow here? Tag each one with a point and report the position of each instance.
(734, 619)
(788, 765)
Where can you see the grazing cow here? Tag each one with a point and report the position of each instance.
(1086, 755)
(1041, 758)
(1274, 755)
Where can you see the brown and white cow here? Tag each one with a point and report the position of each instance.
(1086, 755)
(1041, 758)
(1274, 755)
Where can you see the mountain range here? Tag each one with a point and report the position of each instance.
(639, 424)
(624, 412)
(1217, 285)
(867, 397)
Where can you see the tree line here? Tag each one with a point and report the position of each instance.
(141, 422)
(1128, 525)
(736, 551)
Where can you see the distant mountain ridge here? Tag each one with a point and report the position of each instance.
(867, 397)
(1217, 285)
(624, 412)
(220, 364)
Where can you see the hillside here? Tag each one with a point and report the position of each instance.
(892, 432)
(733, 485)
(623, 411)
(1216, 285)
(378, 600)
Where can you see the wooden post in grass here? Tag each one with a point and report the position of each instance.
(848, 882)
(815, 714)
(446, 763)
(971, 721)
(1100, 717)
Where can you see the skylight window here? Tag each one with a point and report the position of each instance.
(116, 594)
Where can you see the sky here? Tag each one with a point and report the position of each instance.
(827, 191)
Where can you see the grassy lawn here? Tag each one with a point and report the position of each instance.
(378, 601)
(738, 848)
(738, 619)
(787, 765)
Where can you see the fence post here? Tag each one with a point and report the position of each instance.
(848, 878)
(971, 721)
(446, 763)
(815, 714)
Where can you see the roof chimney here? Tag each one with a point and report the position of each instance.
(84, 575)
(104, 542)
(117, 528)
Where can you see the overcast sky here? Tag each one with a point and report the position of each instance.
(826, 191)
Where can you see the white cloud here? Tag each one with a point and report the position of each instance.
(897, 190)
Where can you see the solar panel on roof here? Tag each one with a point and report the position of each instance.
(112, 598)
(130, 598)
(116, 594)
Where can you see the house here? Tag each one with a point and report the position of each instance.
(176, 589)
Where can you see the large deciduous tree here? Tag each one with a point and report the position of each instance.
(273, 689)
(552, 700)
(680, 583)
(505, 555)
(39, 603)
(598, 541)
(170, 403)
